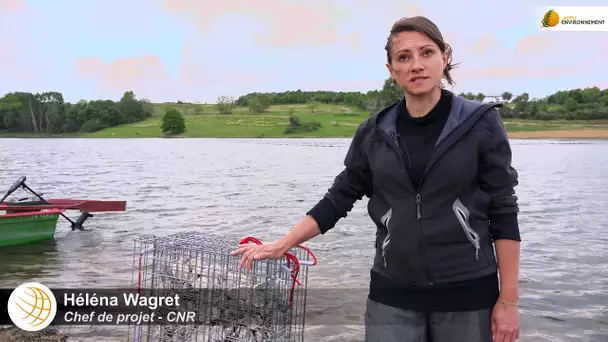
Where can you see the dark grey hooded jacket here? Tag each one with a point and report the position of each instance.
(437, 231)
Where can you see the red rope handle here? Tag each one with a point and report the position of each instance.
(290, 258)
(139, 273)
(250, 239)
(254, 240)
(314, 258)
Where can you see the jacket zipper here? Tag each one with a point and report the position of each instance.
(418, 203)
(427, 272)
(429, 278)
(425, 262)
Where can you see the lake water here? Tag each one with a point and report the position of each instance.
(263, 187)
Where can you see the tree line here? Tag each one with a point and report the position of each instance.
(576, 104)
(48, 113)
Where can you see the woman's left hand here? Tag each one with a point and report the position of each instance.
(505, 322)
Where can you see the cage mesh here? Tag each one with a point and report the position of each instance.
(217, 301)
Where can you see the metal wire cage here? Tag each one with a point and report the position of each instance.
(217, 301)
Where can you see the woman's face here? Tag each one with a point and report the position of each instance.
(417, 63)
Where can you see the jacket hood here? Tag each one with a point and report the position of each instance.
(462, 111)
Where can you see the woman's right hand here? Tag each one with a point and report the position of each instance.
(253, 251)
(304, 231)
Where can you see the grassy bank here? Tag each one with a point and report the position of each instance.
(335, 121)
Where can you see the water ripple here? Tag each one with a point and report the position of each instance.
(262, 187)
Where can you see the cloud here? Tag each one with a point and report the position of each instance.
(195, 72)
(538, 43)
(354, 41)
(145, 75)
(536, 56)
(288, 22)
(602, 46)
(391, 9)
(514, 71)
(15, 15)
(485, 44)
(12, 5)
(195, 50)
(148, 77)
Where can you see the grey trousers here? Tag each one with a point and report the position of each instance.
(388, 324)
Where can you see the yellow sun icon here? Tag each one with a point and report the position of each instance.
(550, 19)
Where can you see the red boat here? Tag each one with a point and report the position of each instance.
(27, 220)
(66, 204)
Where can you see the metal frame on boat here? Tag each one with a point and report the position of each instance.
(28, 220)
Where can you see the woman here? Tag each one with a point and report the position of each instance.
(437, 171)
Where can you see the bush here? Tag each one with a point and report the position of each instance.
(296, 126)
(93, 125)
(294, 121)
(173, 122)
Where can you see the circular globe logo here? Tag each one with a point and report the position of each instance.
(32, 306)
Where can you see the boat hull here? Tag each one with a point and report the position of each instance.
(22, 228)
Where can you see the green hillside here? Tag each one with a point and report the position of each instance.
(281, 114)
(205, 121)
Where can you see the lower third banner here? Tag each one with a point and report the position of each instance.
(33, 306)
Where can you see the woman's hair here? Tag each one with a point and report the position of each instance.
(427, 27)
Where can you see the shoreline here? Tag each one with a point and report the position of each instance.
(597, 134)
(577, 134)
(14, 334)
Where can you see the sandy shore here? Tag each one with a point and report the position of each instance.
(14, 334)
(565, 134)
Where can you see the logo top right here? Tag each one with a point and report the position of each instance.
(550, 19)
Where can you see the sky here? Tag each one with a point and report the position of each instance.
(197, 50)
